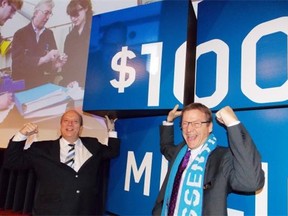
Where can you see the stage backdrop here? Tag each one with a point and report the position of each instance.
(45, 112)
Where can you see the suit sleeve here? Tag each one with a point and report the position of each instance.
(246, 170)
(167, 146)
(112, 150)
(21, 53)
(15, 156)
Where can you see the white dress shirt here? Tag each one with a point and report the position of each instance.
(82, 154)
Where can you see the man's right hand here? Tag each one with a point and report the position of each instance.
(173, 114)
(29, 129)
(226, 116)
(50, 56)
(110, 123)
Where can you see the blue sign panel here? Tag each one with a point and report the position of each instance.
(138, 172)
(242, 62)
(137, 59)
(242, 54)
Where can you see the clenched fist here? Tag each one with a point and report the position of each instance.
(226, 116)
(29, 129)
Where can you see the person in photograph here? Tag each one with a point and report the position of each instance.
(67, 169)
(35, 57)
(202, 173)
(8, 9)
(77, 42)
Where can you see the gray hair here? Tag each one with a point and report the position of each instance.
(50, 3)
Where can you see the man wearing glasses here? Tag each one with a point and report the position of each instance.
(35, 57)
(201, 174)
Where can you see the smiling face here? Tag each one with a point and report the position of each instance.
(195, 136)
(71, 126)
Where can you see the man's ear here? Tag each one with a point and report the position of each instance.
(210, 127)
(80, 130)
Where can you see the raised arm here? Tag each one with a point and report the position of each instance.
(167, 146)
(15, 155)
(246, 172)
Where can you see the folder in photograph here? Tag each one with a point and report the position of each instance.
(40, 97)
(52, 111)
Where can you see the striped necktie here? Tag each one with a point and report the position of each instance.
(70, 156)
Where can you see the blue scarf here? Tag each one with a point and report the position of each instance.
(191, 193)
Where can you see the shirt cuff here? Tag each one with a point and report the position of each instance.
(233, 124)
(19, 137)
(166, 123)
(113, 134)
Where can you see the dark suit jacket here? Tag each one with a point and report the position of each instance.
(234, 169)
(61, 190)
(26, 53)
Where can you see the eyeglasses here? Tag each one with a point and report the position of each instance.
(75, 13)
(196, 124)
(47, 13)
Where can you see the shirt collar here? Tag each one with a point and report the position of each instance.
(64, 142)
(35, 29)
(195, 152)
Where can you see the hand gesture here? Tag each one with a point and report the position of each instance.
(29, 129)
(60, 61)
(50, 56)
(110, 123)
(226, 116)
(173, 114)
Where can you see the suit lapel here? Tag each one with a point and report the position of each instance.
(89, 145)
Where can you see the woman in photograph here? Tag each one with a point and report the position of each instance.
(77, 42)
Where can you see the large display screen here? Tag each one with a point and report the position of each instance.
(137, 59)
(242, 54)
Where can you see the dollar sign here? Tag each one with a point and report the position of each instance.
(126, 73)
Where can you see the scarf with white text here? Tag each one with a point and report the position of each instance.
(191, 193)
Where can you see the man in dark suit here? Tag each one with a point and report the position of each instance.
(35, 57)
(211, 171)
(61, 189)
